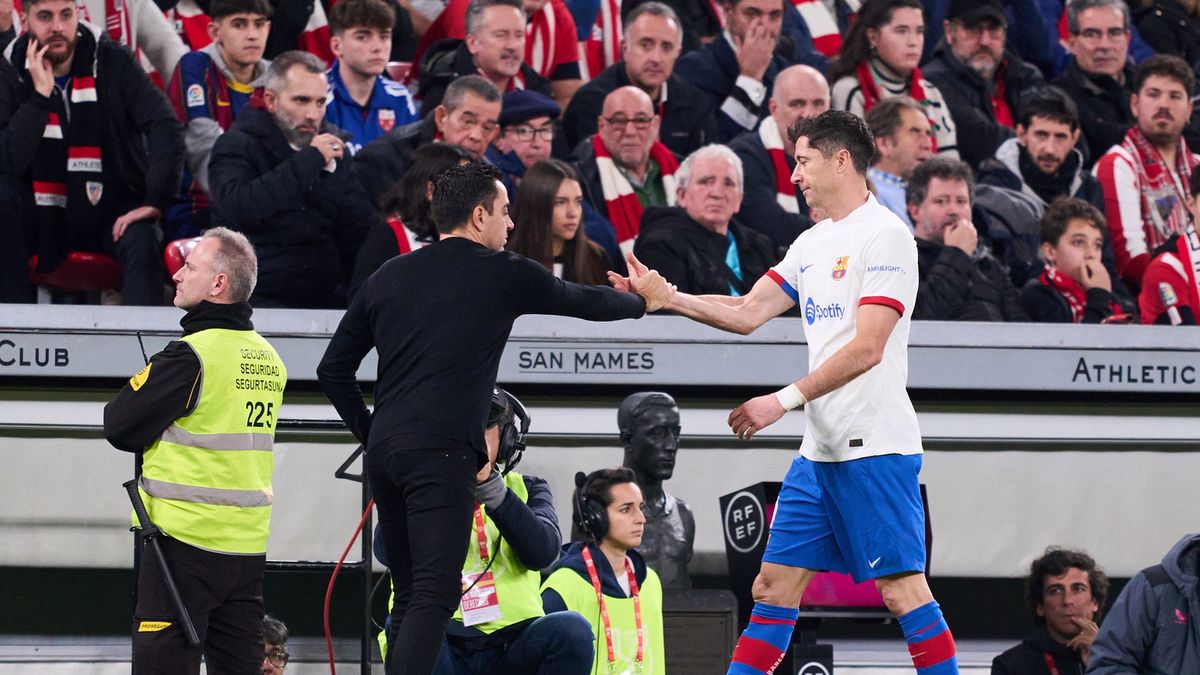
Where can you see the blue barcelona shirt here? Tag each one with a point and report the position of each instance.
(391, 106)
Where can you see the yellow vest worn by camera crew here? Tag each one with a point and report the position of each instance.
(516, 585)
(579, 595)
(206, 481)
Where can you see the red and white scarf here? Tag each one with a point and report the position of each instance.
(406, 239)
(624, 209)
(191, 23)
(1076, 296)
(602, 48)
(1164, 205)
(872, 96)
(785, 191)
(1185, 260)
(822, 24)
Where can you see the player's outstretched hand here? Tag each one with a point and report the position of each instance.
(647, 283)
(755, 415)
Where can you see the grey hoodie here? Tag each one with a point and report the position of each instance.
(1153, 627)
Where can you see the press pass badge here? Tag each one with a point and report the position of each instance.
(480, 602)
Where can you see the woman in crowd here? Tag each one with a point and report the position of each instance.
(408, 221)
(879, 60)
(548, 218)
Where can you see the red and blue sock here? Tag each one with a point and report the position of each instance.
(761, 646)
(929, 640)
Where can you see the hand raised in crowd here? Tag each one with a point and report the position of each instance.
(140, 213)
(754, 52)
(1082, 643)
(40, 70)
(6, 11)
(961, 234)
(1095, 275)
(647, 283)
(330, 146)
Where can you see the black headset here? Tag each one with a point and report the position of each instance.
(591, 515)
(505, 410)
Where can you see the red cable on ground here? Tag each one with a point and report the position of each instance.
(333, 577)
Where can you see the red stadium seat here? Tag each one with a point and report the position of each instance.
(398, 70)
(176, 252)
(81, 272)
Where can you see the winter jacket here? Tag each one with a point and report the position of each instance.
(142, 145)
(1166, 26)
(1029, 658)
(306, 223)
(954, 287)
(448, 60)
(1104, 113)
(760, 208)
(1153, 626)
(1045, 304)
(713, 69)
(969, 99)
(381, 163)
(692, 257)
(687, 115)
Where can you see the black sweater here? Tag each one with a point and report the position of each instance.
(439, 318)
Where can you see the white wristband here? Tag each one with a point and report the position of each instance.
(790, 397)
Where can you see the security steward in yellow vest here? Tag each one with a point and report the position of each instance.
(607, 581)
(499, 626)
(203, 414)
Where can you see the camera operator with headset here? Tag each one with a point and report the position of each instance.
(499, 626)
(608, 581)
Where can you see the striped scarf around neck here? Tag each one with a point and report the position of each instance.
(624, 209)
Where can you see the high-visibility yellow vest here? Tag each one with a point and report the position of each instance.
(579, 595)
(206, 481)
(516, 585)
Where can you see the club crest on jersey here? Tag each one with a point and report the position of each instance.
(95, 189)
(839, 267)
(387, 119)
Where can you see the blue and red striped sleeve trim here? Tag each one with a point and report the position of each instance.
(787, 288)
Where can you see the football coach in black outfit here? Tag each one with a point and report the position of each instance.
(439, 319)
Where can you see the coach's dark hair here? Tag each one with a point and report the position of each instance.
(1164, 65)
(937, 167)
(219, 9)
(1055, 562)
(1051, 103)
(1065, 209)
(857, 48)
(474, 17)
(409, 197)
(835, 130)
(459, 189)
(349, 14)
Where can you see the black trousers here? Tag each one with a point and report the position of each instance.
(223, 596)
(426, 499)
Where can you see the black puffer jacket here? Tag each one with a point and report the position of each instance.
(687, 117)
(955, 288)
(1029, 658)
(692, 256)
(381, 163)
(1166, 26)
(306, 223)
(969, 99)
(1104, 113)
(447, 60)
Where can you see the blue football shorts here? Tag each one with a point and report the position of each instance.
(863, 517)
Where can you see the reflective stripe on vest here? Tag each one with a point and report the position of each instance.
(207, 479)
(578, 595)
(516, 585)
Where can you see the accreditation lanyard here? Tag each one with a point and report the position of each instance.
(1050, 665)
(637, 610)
(481, 533)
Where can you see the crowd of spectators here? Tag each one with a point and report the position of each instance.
(314, 128)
